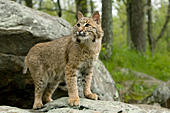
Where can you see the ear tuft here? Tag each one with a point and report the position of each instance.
(96, 17)
(79, 15)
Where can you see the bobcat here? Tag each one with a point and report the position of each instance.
(64, 59)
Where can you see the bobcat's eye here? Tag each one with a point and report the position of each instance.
(87, 25)
(78, 25)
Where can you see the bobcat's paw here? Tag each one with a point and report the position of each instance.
(92, 96)
(47, 99)
(37, 106)
(74, 101)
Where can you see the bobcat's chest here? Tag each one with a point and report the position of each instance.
(88, 60)
(85, 66)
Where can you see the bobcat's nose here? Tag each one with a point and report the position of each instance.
(80, 33)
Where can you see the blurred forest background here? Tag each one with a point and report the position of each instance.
(136, 40)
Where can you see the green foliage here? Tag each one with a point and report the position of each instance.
(157, 65)
(71, 18)
(68, 13)
(119, 86)
(106, 51)
(48, 7)
(137, 92)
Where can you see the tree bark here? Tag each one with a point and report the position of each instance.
(128, 7)
(137, 26)
(81, 5)
(150, 37)
(59, 8)
(107, 27)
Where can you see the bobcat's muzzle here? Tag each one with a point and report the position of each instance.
(81, 33)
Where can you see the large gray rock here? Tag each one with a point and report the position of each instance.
(88, 106)
(20, 29)
(102, 84)
(147, 79)
(8, 109)
(160, 96)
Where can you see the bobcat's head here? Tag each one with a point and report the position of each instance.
(87, 29)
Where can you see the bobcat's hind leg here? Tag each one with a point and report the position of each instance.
(47, 96)
(40, 84)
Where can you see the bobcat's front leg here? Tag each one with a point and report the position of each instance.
(87, 85)
(71, 81)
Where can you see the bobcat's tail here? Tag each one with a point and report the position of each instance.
(24, 71)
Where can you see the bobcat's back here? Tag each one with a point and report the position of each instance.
(51, 56)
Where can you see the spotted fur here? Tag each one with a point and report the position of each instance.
(64, 59)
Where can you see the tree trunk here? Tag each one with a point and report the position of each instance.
(128, 7)
(150, 38)
(107, 27)
(81, 5)
(29, 3)
(137, 25)
(59, 8)
(40, 4)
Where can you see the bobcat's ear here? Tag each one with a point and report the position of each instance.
(79, 15)
(96, 17)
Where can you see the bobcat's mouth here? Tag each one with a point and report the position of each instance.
(83, 34)
(82, 37)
